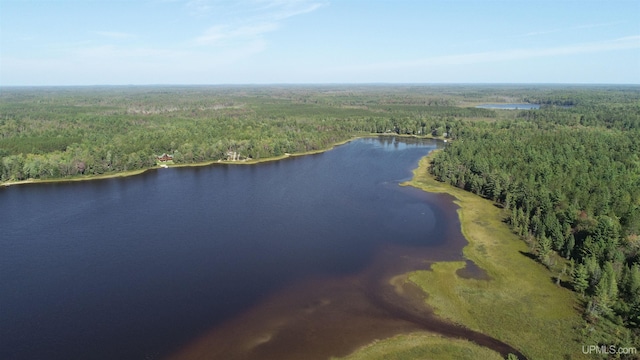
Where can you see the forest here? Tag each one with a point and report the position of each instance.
(51, 133)
(568, 179)
(566, 175)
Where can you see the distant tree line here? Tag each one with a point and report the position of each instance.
(49, 134)
(567, 175)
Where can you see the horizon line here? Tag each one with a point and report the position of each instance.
(294, 84)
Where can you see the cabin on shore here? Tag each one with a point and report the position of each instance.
(233, 156)
(164, 157)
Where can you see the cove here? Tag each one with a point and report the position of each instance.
(252, 261)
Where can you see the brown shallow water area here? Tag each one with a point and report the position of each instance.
(333, 316)
(312, 320)
(298, 258)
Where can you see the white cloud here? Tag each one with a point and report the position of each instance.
(578, 27)
(110, 64)
(111, 53)
(287, 8)
(248, 20)
(629, 42)
(115, 35)
(199, 7)
(207, 57)
(219, 33)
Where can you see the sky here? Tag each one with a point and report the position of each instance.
(143, 42)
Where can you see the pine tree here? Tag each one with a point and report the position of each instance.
(601, 298)
(634, 284)
(612, 283)
(543, 249)
(569, 245)
(579, 279)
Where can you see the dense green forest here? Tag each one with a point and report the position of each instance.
(59, 132)
(569, 181)
(567, 175)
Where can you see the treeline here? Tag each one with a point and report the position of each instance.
(48, 133)
(111, 145)
(56, 133)
(618, 116)
(572, 191)
(556, 95)
(568, 175)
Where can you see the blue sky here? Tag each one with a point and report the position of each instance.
(93, 42)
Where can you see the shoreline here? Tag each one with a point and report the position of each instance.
(536, 317)
(203, 163)
(157, 167)
(78, 178)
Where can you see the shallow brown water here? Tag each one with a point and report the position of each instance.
(324, 317)
(273, 260)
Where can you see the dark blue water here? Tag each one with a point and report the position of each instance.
(135, 267)
(510, 106)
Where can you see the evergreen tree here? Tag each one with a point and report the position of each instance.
(611, 281)
(543, 250)
(579, 279)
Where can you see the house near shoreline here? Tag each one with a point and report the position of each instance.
(164, 157)
(233, 156)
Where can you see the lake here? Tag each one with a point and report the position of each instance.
(510, 106)
(244, 259)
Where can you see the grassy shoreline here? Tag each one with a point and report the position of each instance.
(520, 305)
(422, 345)
(78, 178)
(199, 164)
(534, 315)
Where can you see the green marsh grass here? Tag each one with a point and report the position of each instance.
(520, 305)
(423, 346)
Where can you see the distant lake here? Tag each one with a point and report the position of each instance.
(141, 267)
(510, 106)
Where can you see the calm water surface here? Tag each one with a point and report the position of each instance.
(138, 267)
